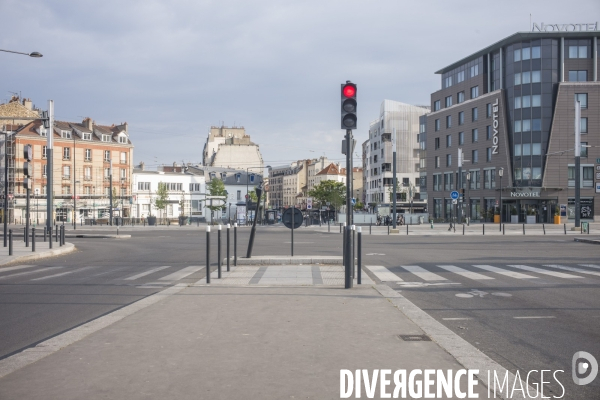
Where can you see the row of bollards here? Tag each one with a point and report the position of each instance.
(219, 261)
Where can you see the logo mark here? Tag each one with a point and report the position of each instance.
(584, 363)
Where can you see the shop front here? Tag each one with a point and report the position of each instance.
(529, 205)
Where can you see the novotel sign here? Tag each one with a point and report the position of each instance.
(564, 27)
(525, 192)
(495, 123)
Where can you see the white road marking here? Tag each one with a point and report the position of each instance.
(16, 268)
(423, 273)
(61, 274)
(582, 271)
(590, 265)
(546, 272)
(456, 319)
(28, 272)
(150, 271)
(536, 317)
(375, 254)
(175, 276)
(502, 271)
(464, 272)
(384, 274)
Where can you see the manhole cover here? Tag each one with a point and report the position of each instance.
(415, 338)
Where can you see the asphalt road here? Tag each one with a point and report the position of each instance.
(495, 315)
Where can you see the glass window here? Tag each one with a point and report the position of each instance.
(536, 76)
(584, 149)
(475, 92)
(488, 132)
(474, 114)
(437, 143)
(461, 138)
(460, 76)
(475, 70)
(582, 98)
(66, 171)
(584, 125)
(518, 78)
(448, 160)
(536, 173)
(582, 52)
(474, 135)
(517, 126)
(488, 154)
(577, 51)
(526, 126)
(526, 149)
(448, 140)
(517, 55)
(460, 97)
(474, 156)
(517, 102)
(518, 173)
(526, 101)
(437, 161)
(448, 101)
(437, 124)
(436, 105)
(526, 53)
(461, 117)
(488, 110)
(88, 154)
(572, 51)
(536, 100)
(448, 121)
(449, 81)
(577, 76)
(535, 52)
(588, 173)
(517, 150)
(536, 149)
(527, 173)
(525, 77)
(66, 153)
(536, 124)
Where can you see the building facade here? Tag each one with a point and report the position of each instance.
(231, 148)
(510, 108)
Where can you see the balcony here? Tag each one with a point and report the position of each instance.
(66, 177)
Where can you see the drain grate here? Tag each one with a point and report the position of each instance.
(415, 338)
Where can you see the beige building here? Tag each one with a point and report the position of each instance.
(314, 167)
(232, 148)
(294, 183)
(357, 181)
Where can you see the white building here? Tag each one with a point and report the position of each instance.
(231, 148)
(378, 153)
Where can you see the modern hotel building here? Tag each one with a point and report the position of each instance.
(511, 106)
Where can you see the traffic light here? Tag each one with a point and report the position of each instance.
(462, 193)
(348, 103)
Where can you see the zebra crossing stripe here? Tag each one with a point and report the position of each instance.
(590, 265)
(29, 272)
(505, 272)
(423, 273)
(61, 274)
(16, 267)
(151, 271)
(182, 273)
(582, 271)
(383, 274)
(465, 273)
(546, 272)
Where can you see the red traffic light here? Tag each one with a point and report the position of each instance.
(349, 90)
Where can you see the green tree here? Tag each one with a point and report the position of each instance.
(391, 191)
(216, 187)
(160, 201)
(331, 192)
(252, 196)
(359, 206)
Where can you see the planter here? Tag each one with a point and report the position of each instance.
(557, 219)
(151, 220)
(530, 219)
(514, 219)
(496, 219)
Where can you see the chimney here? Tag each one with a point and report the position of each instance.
(142, 165)
(28, 104)
(88, 123)
(125, 125)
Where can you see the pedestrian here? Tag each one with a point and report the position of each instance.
(450, 228)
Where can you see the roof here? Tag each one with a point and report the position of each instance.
(331, 169)
(516, 37)
(15, 110)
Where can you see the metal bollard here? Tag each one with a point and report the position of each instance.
(353, 227)
(10, 243)
(219, 253)
(565, 228)
(503, 229)
(228, 230)
(483, 228)
(359, 259)
(370, 227)
(406, 230)
(235, 244)
(463, 229)
(328, 226)
(207, 253)
(344, 249)
(56, 233)
(62, 235)
(544, 227)
(25, 238)
(388, 229)
(340, 228)
(44, 234)
(523, 229)
(32, 239)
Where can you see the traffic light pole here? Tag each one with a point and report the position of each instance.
(348, 247)
(49, 185)
(394, 178)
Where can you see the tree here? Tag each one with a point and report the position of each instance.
(252, 196)
(160, 201)
(359, 206)
(331, 192)
(216, 187)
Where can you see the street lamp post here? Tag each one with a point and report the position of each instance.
(500, 173)
(468, 198)
(34, 54)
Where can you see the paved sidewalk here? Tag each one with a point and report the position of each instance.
(23, 254)
(217, 342)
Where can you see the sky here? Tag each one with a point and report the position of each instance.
(172, 69)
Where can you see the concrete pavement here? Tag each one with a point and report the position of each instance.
(23, 254)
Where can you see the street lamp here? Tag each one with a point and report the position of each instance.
(468, 199)
(34, 54)
(500, 173)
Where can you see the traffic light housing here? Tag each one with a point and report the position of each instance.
(348, 105)
(462, 193)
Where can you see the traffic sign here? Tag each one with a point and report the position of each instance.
(454, 195)
(353, 201)
(286, 218)
(454, 201)
(309, 203)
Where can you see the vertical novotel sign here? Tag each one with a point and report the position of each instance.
(495, 124)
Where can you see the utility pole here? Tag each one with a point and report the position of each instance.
(394, 177)
(577, 163)
(110, 189)
(74, 186)
(49, 125)
(459, 185)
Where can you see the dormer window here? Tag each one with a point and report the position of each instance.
(251, 178)
(43, 132)
(65, 134)
(87, 136)
(237, 177)
(105, 138)
(123, 139)
(212, 175)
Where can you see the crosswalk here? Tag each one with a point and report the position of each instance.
(448, 274)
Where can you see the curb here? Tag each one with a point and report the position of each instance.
(590, 241)
(333, 260)
(67, 248)
(86, 236)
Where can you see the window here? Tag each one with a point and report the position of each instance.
(66, 171)
(582, 99)
(65, 134)
(448, 121)
(474, 135)
(448, 101)
(461, 117)
(448, 184)
(587, 176)
(525, 77)
(88, 154)
(66, 190)
(518, 78)
(536, 100)
(526, 125)
(123, 191)
(536, 124)
(87, 173)
(123, 139)
(448, 160)
(436, 182)
(66, 153)
(475, 70)
(460, 76)
(475, 181)
(239, 195)
(517, 126)
(577, 51)
(437, 161)
(460, 97)
(518, 148)
(448, 140)
(488, 154)
(488, 132)
(437, 124)
(535, 52)
(43, 132)
(461, 138)
(577, 76)
(87, 136)
(106, 174)
(536, 76)
(123, 174)
(123, 158)
(105, 138)
(144, 186)
(448, 81)
(474, 114)
(252, 176)
(584, 149)
(44, 170)
(517, 102)
(437, 143)
(436, 105)
(488, 110)
(517, 56)
(405, 182)
(474, 157)
(195, 187)
(584, 125)
(525, 53)
(44, 151)
(474, 92)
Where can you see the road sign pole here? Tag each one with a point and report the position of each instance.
(293, 223)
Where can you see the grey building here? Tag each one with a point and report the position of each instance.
(511, 106)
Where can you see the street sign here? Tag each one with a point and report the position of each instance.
(309, 203)
(454, 201)
(353, 201)
(286, 218)
(454, 195)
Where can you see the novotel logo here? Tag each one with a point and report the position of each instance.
(564, 27)
(495, 124)
(524, 194)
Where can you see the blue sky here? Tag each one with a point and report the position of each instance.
(171, 69)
